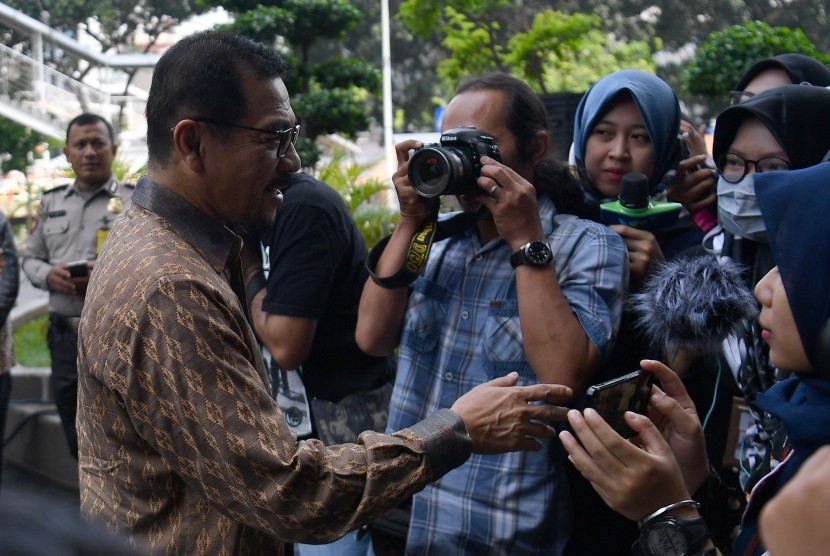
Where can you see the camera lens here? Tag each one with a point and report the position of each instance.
(434, 170)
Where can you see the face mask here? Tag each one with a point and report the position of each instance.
(738, 210)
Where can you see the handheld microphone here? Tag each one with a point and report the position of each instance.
(634, 208)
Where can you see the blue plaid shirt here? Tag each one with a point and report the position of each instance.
(462, 329)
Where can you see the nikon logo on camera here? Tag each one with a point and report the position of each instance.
(452, 167)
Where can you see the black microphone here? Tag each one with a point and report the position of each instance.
(634, 191)
(692, 305)
(636, 209)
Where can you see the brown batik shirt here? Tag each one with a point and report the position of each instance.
(181, 447)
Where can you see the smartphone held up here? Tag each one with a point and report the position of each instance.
(611, 399)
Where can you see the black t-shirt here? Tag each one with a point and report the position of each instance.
(318, 269)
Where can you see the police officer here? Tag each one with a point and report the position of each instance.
(72, 223)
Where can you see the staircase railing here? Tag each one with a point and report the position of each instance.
(40, 97)
(46, 94)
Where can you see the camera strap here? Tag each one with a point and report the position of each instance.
(431, 230)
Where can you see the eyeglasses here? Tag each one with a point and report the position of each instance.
(740, 96)
(733, 167)
(285, 138)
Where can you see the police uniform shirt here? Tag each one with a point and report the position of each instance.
(70, 226)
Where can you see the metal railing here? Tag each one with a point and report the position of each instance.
(51, 96)
(38, 96)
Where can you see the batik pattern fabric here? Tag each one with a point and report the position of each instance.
(182, 448)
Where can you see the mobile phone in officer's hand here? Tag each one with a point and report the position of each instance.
(611, 399)
(78, 269)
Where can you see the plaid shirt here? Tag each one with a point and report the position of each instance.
(461, 329)
(181, 447)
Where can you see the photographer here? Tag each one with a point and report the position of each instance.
(525, 288)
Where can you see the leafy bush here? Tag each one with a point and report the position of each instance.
(373, 219)
(725, 56)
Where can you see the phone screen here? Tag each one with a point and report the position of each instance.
(613, 398)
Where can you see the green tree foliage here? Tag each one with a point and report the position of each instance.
(569, 52)
(373, 219)
(678, 22)
(553, 51)
(113, 23)
(328, 95)
(18, 142)
(724, 57)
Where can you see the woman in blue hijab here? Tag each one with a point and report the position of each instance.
(629, 121)
(658, 114)
(652, 483)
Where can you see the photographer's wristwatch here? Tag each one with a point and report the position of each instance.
(667, 535)
(533, 253)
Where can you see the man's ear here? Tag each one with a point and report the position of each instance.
(187, 143)
(541, 146)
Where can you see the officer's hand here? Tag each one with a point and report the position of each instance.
(500, 417)
(60, 281)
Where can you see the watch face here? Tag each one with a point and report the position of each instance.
(667, 539)
(538, 253)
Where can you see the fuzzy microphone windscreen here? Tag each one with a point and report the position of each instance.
(692, 304)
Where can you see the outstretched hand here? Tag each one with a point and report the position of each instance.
(694, 185)
(500, 417)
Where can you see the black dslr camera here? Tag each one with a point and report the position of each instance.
(452, 167)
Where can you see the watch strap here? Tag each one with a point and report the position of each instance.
(520, 257)
(673, 506)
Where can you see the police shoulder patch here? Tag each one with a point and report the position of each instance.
(56, 189)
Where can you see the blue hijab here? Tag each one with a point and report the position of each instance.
(794, 206)
(657, 103)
